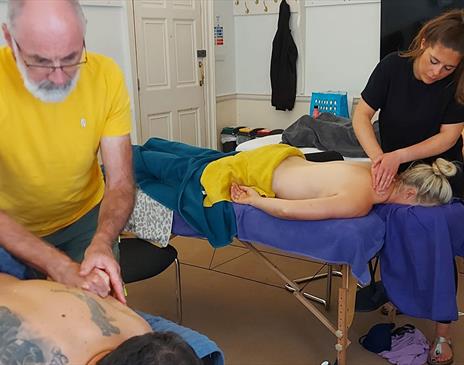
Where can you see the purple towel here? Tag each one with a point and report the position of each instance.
(417, 258)
(341, 241)
(351, 241)
(410, 348)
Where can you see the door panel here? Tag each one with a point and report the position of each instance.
(189, 122)
(168, 33)
(155, 50)
(159, 125)
(186, 62)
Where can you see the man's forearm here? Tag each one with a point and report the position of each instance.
(115, 208)
(30, 249)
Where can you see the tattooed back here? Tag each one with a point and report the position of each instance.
(43, 322)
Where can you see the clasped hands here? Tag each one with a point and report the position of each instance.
(98, 273)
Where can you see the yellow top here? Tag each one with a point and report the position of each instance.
(49, 172)
(252, 168)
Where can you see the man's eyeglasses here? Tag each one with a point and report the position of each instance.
(48, 68)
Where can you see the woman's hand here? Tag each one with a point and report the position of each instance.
(243, 194)
(384, 169)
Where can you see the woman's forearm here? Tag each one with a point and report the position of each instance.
(354, 204)
(432, 146)
(366, 136)
(272, 206)
(365, 131)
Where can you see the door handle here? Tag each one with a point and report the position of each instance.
(201, 67)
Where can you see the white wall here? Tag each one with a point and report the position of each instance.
(253, 39)
(338, 43)
(107, 33)
(225, 54)
(342, 46)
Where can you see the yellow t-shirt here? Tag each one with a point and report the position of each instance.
(49, 172)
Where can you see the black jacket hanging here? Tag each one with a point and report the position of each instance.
(283, 62)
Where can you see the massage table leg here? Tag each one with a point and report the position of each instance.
(346, 302)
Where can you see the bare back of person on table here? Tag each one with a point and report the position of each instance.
(343, 189)
(44, 322)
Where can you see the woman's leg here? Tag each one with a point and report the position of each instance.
(446, 353)
(443, 329)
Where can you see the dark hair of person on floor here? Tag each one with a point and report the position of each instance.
(153, 348)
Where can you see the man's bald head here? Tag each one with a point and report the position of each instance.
(45, 35)
(19, 12)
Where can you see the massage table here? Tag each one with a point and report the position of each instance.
(350, 243)
(365, 239)
(347, 242)
(308, 151)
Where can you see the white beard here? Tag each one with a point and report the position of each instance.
(46, 90)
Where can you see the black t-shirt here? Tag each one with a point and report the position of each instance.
(410, 110)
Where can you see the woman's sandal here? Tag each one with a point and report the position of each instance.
(437, 350)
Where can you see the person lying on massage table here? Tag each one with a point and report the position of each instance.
(278, 180)
(45, 322)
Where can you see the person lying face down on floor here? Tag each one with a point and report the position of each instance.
(45, 322)
(278, 180)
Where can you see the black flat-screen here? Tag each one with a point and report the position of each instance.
(402, 19)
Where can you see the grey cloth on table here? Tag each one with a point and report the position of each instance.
(150, 220)
(328, 133)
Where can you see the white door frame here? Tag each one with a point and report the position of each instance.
(209, 90)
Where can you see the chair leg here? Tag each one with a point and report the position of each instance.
(178, 292)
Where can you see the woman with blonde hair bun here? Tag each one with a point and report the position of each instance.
(431, 181)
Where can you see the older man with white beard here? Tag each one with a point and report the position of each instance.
(59, 105)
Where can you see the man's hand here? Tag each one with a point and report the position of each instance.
(99, 256)
(67, 273)
(384, 169)
(243, 194)
(96, 282)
